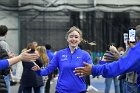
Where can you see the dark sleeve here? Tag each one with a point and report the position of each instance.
(123, 76)
(39, 62)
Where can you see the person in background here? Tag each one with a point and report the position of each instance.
(5, 63)
(19, 70)
(131, 77)
(122, 77)
(50, 76)
(45, 61)
(35, 44)
(128, 63)
(3, 33)
(29, 78)
(112, 57)
(3, 73)
(49, 52)
(43, 56)
(66, 60)
(121, 51)
(4, 45)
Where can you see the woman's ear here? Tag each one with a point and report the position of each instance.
(67, 40)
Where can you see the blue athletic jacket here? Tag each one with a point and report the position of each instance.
(4, 64)
(128, 63)
(50, 54)
(66, 62)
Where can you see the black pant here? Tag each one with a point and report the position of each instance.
(29, 90)
(20, 89)
(47, 87)
(87, 81)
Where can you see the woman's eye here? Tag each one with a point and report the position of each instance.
(71, 36)
(76, 36)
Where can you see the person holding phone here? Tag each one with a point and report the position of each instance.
(66, 60)
(131, 77)
(128, 63)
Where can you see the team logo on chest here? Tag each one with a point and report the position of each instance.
(64, 57)
(78, 57)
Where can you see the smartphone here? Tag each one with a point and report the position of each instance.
(125, 37)
(132, 35)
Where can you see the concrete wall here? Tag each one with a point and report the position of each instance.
(10, 19)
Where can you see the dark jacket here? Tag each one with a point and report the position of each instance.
(3, 88)
(3, 55)
(29, 77)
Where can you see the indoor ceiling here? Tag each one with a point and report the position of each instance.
(95, 2)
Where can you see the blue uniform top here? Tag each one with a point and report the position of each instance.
(50, 54)
(66, 62)
(128, 63)
(4, 64)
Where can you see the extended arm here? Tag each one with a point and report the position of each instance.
(23, 56)
(126, 64)
(50, 68)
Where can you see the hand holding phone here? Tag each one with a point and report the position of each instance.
(125, 37)
(132, 35)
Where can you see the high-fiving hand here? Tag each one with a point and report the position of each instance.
(35, 68)
(25, 56)
(83, 71)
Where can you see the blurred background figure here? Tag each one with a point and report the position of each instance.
(112, 55)
(122, 77)
(35, 44)
(45, 60)
(121, 50)
(19, 70)
(50, 76)
(29, 78)
(3, 73)
(4, 45)
(131, 77)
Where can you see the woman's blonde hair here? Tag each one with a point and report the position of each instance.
(43, 56)
(74, 29)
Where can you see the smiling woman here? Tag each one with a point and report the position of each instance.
(74, 37)
(66, 60)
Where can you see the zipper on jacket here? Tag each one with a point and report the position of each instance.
(70, 57)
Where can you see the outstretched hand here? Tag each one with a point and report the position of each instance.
(29, 57)
(83, 71)
(35, 68)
